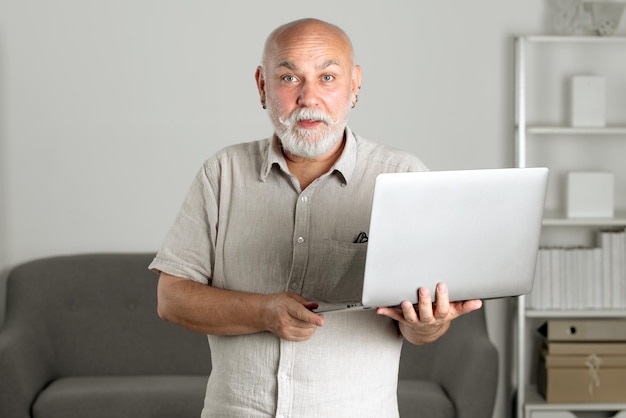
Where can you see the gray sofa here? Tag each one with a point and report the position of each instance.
(82, 339)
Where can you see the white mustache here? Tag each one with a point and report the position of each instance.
(306, 114)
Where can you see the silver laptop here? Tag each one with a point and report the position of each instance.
(475, 230)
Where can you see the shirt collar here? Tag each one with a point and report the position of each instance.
(272, 155)
(344, 166)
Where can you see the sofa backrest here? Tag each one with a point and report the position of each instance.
(95, 314)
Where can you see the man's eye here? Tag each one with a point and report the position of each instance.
(328, 78)
(289, 78)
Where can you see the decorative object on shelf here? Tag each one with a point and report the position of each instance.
(570, 17)
(586, 17)
(590, 194)
(605, 15)
(588, 101)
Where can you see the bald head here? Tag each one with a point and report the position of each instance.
(300, 32)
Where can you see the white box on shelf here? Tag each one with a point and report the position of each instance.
(588, 101)
(590, 194)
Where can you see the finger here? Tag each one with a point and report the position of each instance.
(467, 306)
(302, 311)
(299, 334)
(409, 313)
(472, 305)
(424, 305)
(304, 315)
(393, 313)
(443, 302)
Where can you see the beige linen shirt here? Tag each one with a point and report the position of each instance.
(246, 225)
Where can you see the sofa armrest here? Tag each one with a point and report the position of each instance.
(24, 368)
(463, 362)
(471, 378)
(466, 365)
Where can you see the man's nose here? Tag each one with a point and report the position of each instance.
(309, 94)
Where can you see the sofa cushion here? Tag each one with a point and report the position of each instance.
(423, 398)
(121, 397)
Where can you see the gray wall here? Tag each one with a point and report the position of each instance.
(108, 108)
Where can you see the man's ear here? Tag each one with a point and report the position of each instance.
(356, 84)
(356, 81)
(260, 84)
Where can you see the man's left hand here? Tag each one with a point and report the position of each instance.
(426, 322)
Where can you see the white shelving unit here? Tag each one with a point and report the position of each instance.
(545, 121)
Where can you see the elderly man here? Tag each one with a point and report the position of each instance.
(268, 228)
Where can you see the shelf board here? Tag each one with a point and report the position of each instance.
(578, 313)
(574, 39)
(569, 130)
(534, 401)
(558, 218)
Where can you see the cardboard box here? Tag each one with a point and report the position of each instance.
(585, 348)
(582, 379)
(584, 330)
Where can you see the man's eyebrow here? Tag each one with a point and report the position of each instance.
(289, 65)
(328, 63)
(293, 67)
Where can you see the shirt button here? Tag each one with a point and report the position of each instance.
(300, 240)
(294, 285)
(304, 199)
(283, 376)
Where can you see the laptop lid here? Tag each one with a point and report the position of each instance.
(475, 230)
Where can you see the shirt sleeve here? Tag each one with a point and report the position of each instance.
(188, 249)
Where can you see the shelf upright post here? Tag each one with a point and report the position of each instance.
(520, 161)
(520, 105)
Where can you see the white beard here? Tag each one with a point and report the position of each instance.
(309, 143)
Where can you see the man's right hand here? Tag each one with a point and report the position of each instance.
(288, 316)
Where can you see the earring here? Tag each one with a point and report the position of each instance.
(356, 99)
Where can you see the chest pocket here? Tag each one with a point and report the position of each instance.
(340, 277)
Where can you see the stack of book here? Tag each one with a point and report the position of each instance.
(583, 360)
(582, 278)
